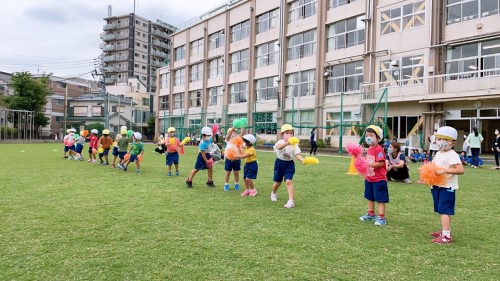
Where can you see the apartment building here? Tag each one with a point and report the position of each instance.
(326, 63)
(134, 47)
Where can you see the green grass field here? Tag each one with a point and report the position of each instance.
(71, 220)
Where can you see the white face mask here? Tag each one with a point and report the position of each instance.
(496, 132)
(369, 140)
(207, 138)
(444, 145)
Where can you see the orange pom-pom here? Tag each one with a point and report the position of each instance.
(139, 158)
(237, 141)
(230, 153)
(127, 156)
(94, 151)
(429, 175)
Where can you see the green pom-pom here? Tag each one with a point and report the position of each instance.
(77, 136)
(244, 122)
(240, 123)
(130, 133)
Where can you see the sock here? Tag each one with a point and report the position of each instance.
(371, 213)
(382, 216)
(226, 183)
(446, 233)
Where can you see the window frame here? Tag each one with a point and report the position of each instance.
(180, 53)
(236, 92)
(301, 9)
(333, 37)
(267, 58)
(262, 93)
(197, 47)
(179, 76)
(238, 63)
(299, 83)
(297, 51)
(216, 70)
(178, 100)
(267, 21)
(195, 99)
(216, 40)
(196, 72)
(334, 75)
(240, 31)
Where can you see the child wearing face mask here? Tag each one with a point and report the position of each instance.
(69, 144)
(232, 165)
(496, 148)
(376, 180)
(251, 168)
(172, 145)
(284, 167)
(204, 160)
(449, 163)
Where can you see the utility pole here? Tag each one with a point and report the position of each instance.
(65, 107)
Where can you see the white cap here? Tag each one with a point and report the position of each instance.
(137, 136)
(447, 132)
(72, 130)
(94, 131)
(206, 131)
(249, 138)
(123, 128)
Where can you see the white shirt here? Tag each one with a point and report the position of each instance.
(444, 159)
(288, 152)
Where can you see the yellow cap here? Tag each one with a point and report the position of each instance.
(286, 127)
(123, 131)
(105, 132)
(170, 130)
(378, 131)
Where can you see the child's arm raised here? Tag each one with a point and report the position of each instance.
(283, 145)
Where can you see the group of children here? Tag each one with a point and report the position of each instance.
(419, 157)
(102, 145)
(448, 163)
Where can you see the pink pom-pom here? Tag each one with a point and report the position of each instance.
(210, 163)
(354, 149)
(361, 165)
(428, 175)
(215, 128)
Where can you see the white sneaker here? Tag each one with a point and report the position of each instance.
(290, 204)
(274, 197)
(90, 160)
(408, 181)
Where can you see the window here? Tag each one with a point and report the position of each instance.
(195, 98)
(302, 45)
(138, 44)
(58, 118)
(216, 40)
(402, 127)
(266, 88)
(215, 68)
(214, 120)
(238, 92)
(402, 18)
(197, 47)
(240, 31)
(338, 3)
(165, 81)
(196, 72)
(213, 95)
(490, 7)
(300, 84)
(96, 111)
(195, 123)
(462, 10)
(265, 123)
(303, 121)
(267, 21)
(145, 101)
(80, 111)
(232, 117)
(411, 71)
(333, 118)
(267, 54)
(473, 60)
(301, 9)
(344, 77)
(179, 101)
(239, 61)
(390, 21)
(180, 53)
(144, 24)
(346, 33)
(164, 105)
(61, 85)
(145, 46)
(143, 67)
(179, 76)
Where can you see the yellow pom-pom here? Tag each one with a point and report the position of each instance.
(115, 144)
(309, 160)
(171, 141)
(294, 140)
(185, 140)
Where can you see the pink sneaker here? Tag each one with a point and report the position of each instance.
(253, 192)
(246, 192)
(436, 234)
(443, 240)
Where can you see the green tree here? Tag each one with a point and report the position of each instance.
(151, 125)
(29, 93)
(97, 126)
(41, 120)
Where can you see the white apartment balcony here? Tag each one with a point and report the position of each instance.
(454, 86)
(160, 33)
(161, 44)
(158, 63)
(111, 37)
(108, 58)
(122, 80)
(114, 25)
(108, 48)
(121, 47)
(110, 80)
(108, 69)
(158, 53)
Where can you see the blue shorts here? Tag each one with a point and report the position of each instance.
(90, 150)
(79, 148)
(200, 164)
(444, 200)
(115, 151)
(121, 154)
(234, 165)
(250, 170)
(172, 158)
(377, 191)
(66, 148)
(133, 157)
(283, 170)
(104, 153)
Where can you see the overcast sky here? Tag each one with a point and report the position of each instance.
(62, 36)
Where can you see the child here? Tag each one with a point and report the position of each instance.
(232, 165)
(93, 145)
(449, 163)
(413, 155)
(105, 142)
(284, 167)
(376, 180)
(122, 148)
(135, 151)
(172, 145)
(65, 139)
(424, 156)
(203, 161)
(80, 142)
(250, 169)
(463, 158)
(115, 148)
(69, 146)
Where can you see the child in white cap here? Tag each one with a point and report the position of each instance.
(251, 168)
(135, 152)
(449, 163)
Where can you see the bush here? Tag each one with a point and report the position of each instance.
(8, 130)
(328, 141)
(320, 143)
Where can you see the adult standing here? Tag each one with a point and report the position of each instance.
(433, 147)
(312, 140)
(396, 164)
(496, 148)
(475, 139)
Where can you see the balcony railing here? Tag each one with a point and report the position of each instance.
(468, 84)
(121, 47)
(158, 64)
(114, 25)
(110, 37)
(108, 58)
(161, 44)
(160, 33)
(109, 48)
(159, 54)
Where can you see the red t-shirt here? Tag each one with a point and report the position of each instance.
(172, 144)
(93, 141)
(376, 154)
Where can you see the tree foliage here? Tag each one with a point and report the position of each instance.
(41, 120)
(151, 125)
(29, 93)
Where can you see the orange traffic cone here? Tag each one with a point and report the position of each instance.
(352, 170)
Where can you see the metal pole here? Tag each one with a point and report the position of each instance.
(254, 118)
(293, 110)
(385, 114)
(164, 120)
(65, 107)
(341, 122)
